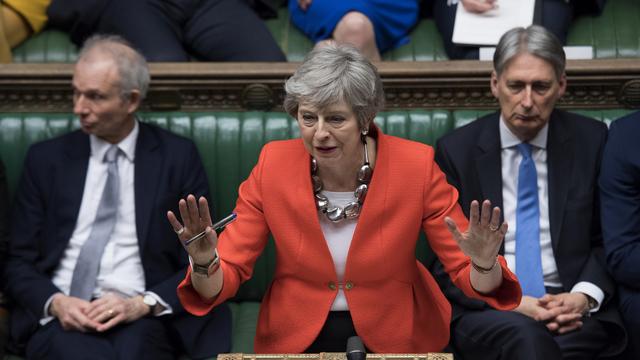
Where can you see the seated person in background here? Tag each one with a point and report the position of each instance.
(541, 165)
(92, 265)
(19, 19)
(620, 196)
(345, 204)
(172, 30)
(554, 15)
(4, 233)
(372, 26)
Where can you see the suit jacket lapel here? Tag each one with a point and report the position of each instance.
(367, 238)
(314, 245)
(488, 163)
(77, 151)
(148, 165)
(559, 156)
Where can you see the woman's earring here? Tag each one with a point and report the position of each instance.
(363, 135)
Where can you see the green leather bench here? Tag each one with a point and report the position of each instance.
(229, 143)
(614, 34)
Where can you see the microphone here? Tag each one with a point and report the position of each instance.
(355, 349)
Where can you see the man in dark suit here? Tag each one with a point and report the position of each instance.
(620, 192)
(540, 165)
(4, 234)
(174, 30)
(555, 15)
(93, 265)
(4, 214)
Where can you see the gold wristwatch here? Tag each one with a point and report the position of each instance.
(206, 269)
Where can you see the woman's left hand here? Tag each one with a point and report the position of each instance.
(484, 236)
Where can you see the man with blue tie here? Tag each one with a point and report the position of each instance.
(93, 265)
(540, 165)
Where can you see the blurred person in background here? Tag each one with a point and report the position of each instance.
(19, 19)
(372, 26)
(554, 15)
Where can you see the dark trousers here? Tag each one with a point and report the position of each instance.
(494, 334)
(175, 30)
(337, 329)
(164, 337)
(146, 338)
(632, 351)
(554, 15)
(630, 310)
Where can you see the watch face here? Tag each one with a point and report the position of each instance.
(150, 300)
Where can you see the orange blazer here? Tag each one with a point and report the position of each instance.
(395, 304)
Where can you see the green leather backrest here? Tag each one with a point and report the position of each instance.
(229, 143)
(49, 46)
(614, 34)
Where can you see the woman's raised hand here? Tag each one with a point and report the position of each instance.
(196, 218)
(484, 236)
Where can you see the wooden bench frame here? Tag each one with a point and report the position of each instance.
(592, 84)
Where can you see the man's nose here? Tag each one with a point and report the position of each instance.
(527, 98)
(79, 105)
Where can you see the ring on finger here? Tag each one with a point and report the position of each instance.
(179, 231)
(110, 312)
(493, 228)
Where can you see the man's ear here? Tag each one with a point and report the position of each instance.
(135, 101)
(562, 82)
(494, 84)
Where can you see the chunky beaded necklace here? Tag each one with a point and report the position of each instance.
(352, 209)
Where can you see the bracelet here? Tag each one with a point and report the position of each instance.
(483, 270)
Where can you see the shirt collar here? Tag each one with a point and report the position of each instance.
(509, 139)
(99, 147)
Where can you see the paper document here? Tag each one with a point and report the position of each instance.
(487, 28)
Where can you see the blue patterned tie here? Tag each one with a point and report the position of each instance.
(85, 273)
(528, 256)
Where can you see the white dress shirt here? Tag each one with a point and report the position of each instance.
(338, 237)
(120, 269)
(511, 159)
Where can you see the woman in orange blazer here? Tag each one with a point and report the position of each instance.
(345, 204)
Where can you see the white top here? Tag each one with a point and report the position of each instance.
(338, 236)
(511, 159)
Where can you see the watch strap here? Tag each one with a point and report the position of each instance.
(206, 269)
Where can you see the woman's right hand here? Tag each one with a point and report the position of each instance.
(479, 6)
(196, 218)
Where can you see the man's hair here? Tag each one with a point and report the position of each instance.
(132, 66)
(534, 40)
(335, 73)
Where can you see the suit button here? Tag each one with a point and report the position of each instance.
(332, 285)
(349, 285)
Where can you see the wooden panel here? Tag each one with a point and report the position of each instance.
(592, 84)
(335, 356)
